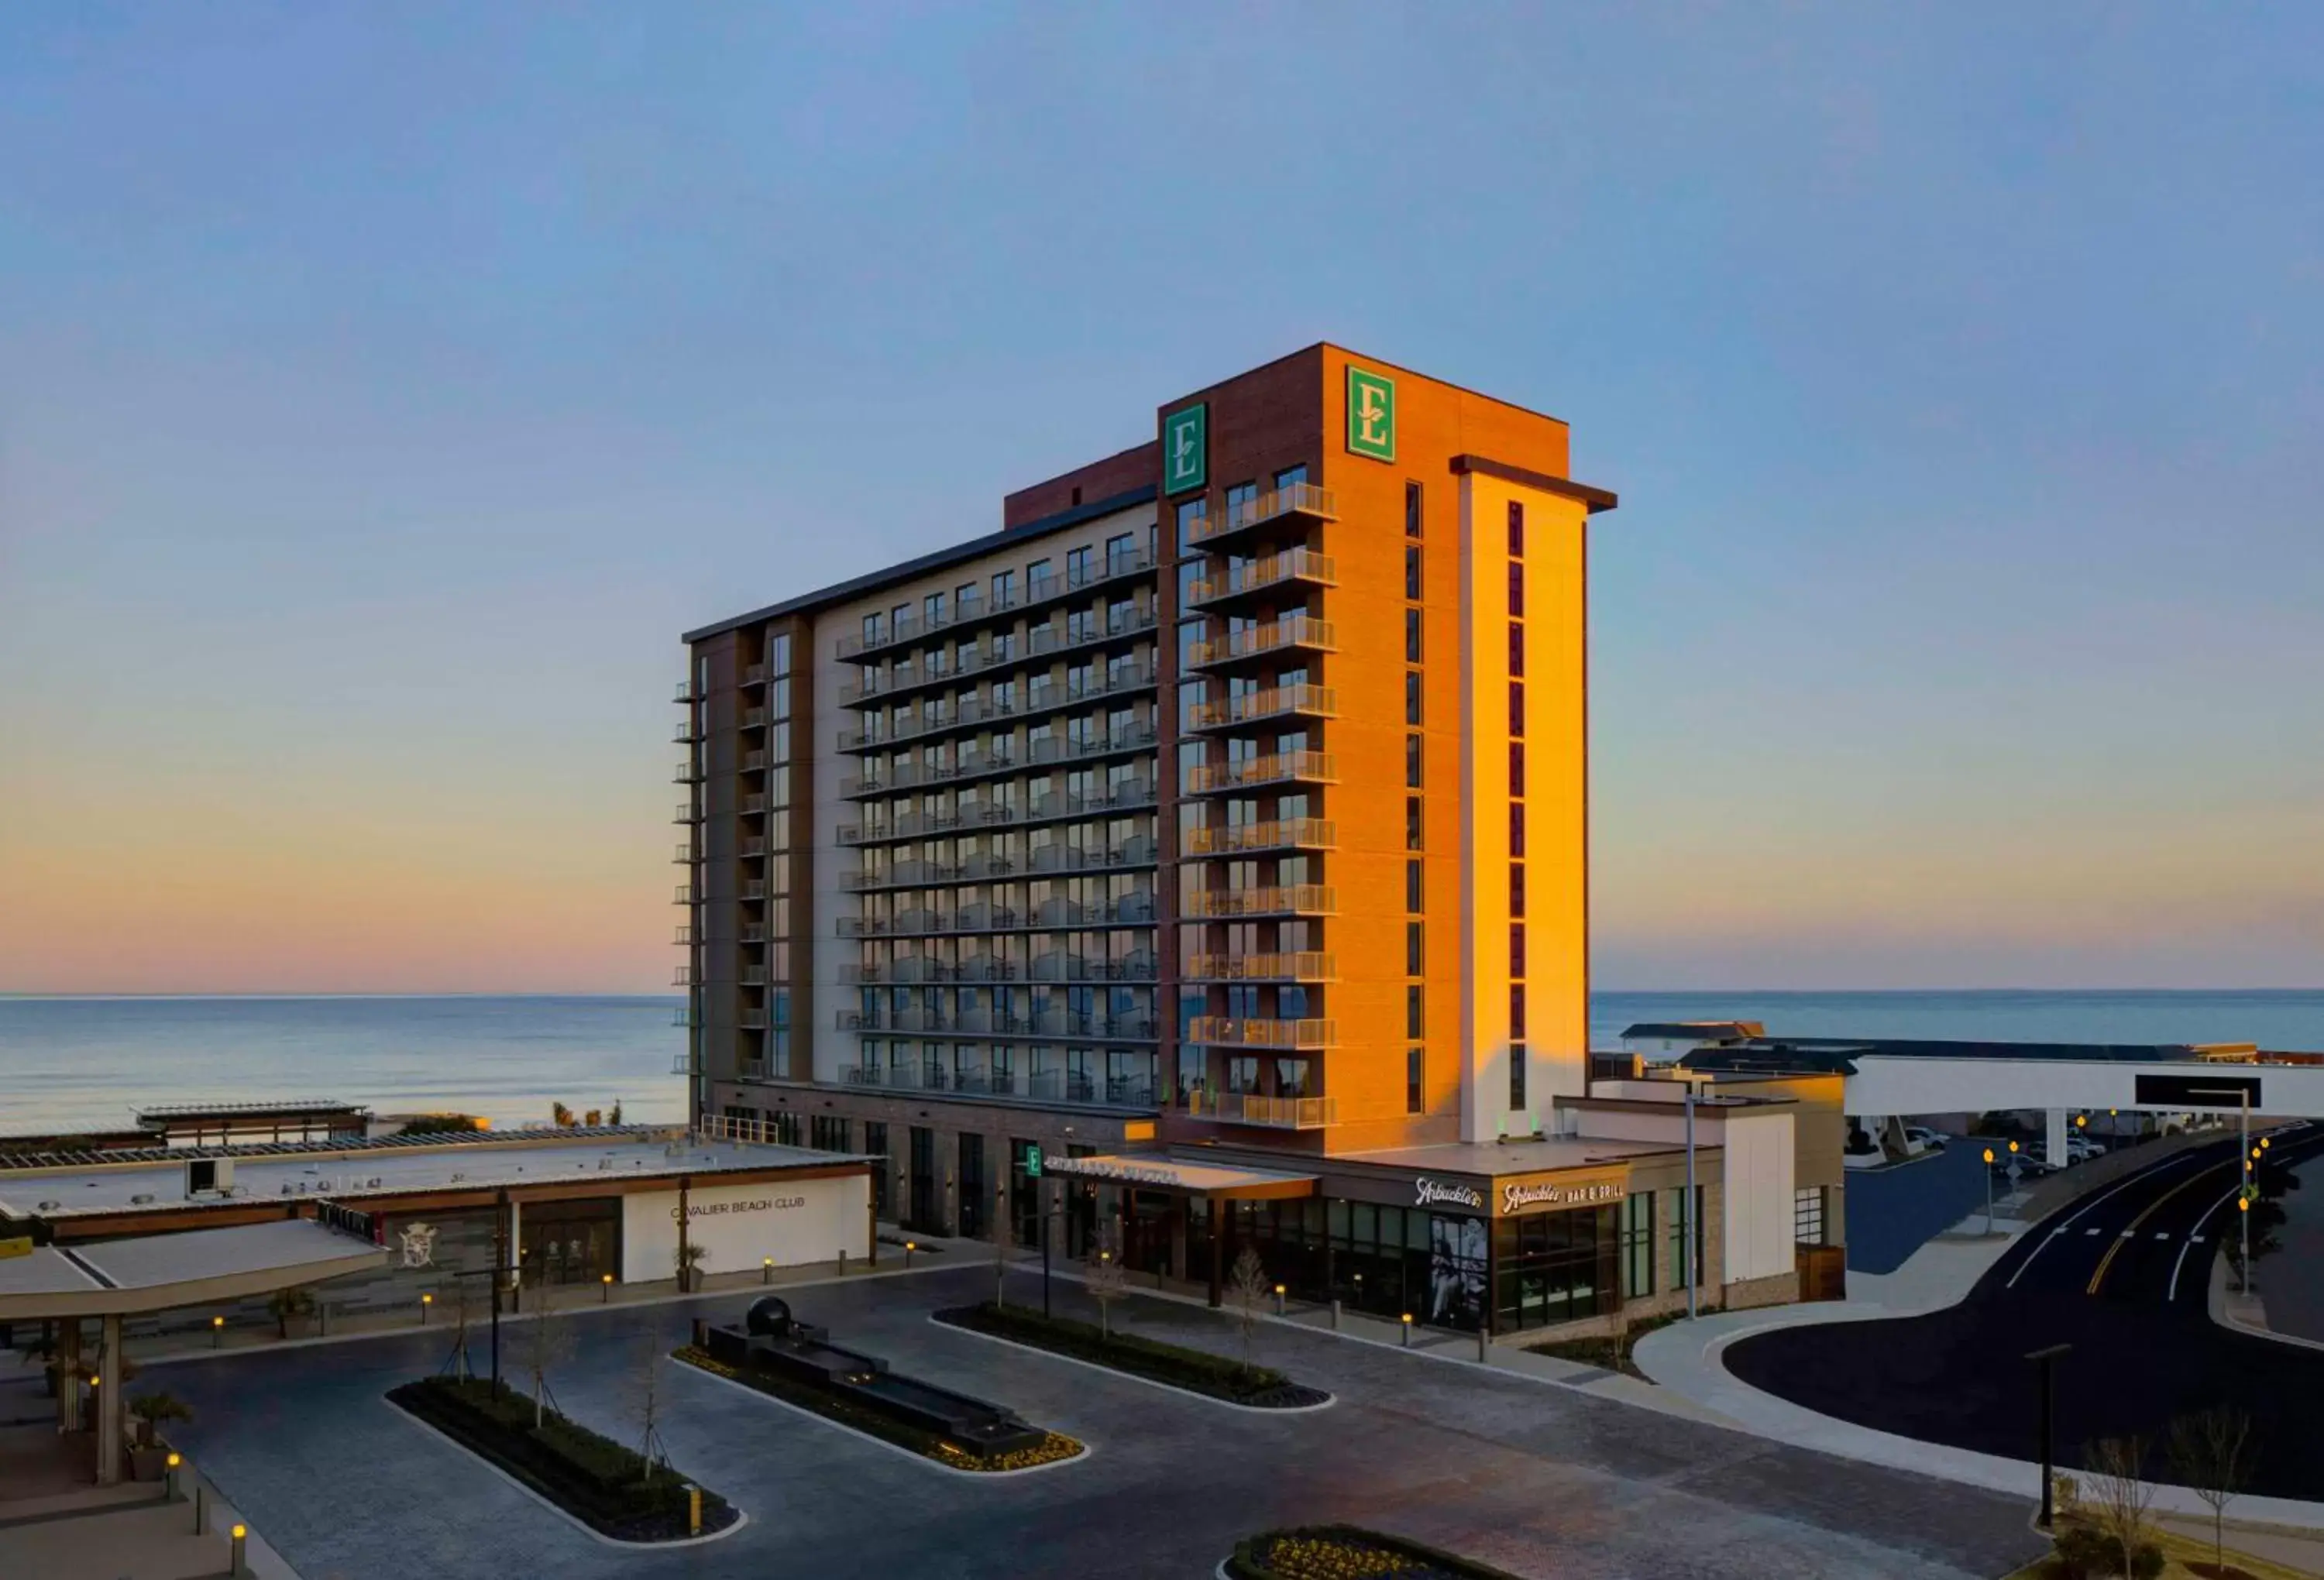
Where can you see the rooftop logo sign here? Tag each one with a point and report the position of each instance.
(1185, 446)
(1428, 1192)
(1371, 414)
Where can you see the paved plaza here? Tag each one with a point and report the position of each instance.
(1540, 1479)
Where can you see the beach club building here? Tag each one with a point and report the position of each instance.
(1203, 856)
(566, 1207)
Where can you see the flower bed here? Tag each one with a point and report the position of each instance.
(1054, 1447)
(1196, 1371)
(605, 1485)
(1346, 1552)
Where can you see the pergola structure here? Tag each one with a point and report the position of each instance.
(115, 1279)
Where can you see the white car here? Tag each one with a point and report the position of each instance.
(1926, 1139)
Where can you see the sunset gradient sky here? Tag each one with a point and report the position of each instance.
(383, 390)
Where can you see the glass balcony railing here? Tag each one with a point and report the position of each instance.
(1274, 1113)
(1230, 1032)
(1298, 500)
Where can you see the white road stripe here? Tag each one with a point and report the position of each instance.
(2123, 1184)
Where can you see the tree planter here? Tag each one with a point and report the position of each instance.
(1170, 1365)
(149, 1465)
(1340, 1552)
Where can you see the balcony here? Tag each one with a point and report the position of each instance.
(1290, 833)
(1293, 632)
(750, 849)
(754, 674)
(1227, 1032)
(688, 774)
(685, 856)
(754, 718)
(1285, 767)
(687, 813)
(1305, 966)
(960, 613)
(1305, 899)
(752, 1020)
(686, 695)
(1050, 1086)
(1128, 795)
(685, 938)
(1298, 503)
(752, 936)
(683, 976)
(684, 896)
(1304, 566)
(686, 733)
(753, 761)
(1274, 1113)
(1277, 702)
(684, 1064)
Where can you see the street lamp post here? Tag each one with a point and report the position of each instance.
(2250, 1178)
(1988, 1191)
(1687, 1216)
(2044, 1358)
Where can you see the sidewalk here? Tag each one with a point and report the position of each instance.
(1686, 1359)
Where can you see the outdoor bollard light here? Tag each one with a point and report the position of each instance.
(1484, 1352)
(1336, 1316)
(1278, 1299)
(201, 1510)
(175, 1460)
(218, 1330)
(843, 1265)
(605, 1290)
(693, 1509)
(425, 1301)
(910, 1248)
(1989, 1190)
(241, 1566)
(766, 1270)
(1407, 1330)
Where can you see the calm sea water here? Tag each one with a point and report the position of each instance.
(86, 1062)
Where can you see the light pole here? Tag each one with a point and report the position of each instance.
(2043, 1359)
(2250, 1178)
(1988, 1191)
(1686, 1215)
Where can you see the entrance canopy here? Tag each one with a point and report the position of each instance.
(1147, 1172)
(159, 1273)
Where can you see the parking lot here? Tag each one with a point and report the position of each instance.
(1536, 1478)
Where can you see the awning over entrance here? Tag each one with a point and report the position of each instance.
(1148, 1172)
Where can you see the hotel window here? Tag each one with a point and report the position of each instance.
(779, 660)
(1638, 1245)
(1411, 510)
(1516, 767)
(1004, 590)
(1415, 948)
(1415, 1067)
(1517, 1009)
(1412, 573)
(1412, 762)
(1516, 888)
(1517, 591)
(1120, 553)
(1807, 1216)
(1517, 530)
(1516, 828)
(1412, 699)
(1077, 566)
(1241, 499)
(1039, 579)
(1516, 648)
(1192, 514)
(1516, 948)
(1412, 825)
(900, 620)
(1517, 1075)
(1517, 708)
(1685, 1226)
(871, 631)
(1416, 1012)
(1413, 888)
(1412, 635)
(1291, 476)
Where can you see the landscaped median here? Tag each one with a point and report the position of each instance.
(1193, 1370)
(1347, 1552)
(1054, 1446)
(612, 1489)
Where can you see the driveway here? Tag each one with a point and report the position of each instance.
(1539, 1479)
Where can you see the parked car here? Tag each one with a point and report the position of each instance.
(1929, 1140)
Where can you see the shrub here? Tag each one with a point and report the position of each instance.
(1124, 1351)
(2084, 1552)
(1342, 1552)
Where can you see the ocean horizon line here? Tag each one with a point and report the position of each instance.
(36, 997)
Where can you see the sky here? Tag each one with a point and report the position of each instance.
(383, 390)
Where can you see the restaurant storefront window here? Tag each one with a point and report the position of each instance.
(1553, 1267)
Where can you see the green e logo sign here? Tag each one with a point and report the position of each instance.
(1372, 415)
(1185, 440)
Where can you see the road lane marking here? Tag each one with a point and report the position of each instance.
(2153, 1207)
(2123, 1184)
(2194, 1240)
(2088, 1231)
(2128, 1232)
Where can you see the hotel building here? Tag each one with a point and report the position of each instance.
(1210, 841)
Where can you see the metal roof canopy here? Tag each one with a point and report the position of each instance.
(160, 1272)
(1165, 1173)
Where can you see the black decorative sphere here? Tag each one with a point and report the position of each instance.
(770, 1317)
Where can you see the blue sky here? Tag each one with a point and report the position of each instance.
(382, 390)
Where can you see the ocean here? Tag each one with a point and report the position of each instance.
(83, 1062)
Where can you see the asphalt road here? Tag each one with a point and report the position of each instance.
(2123, 1276)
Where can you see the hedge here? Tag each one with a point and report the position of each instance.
(1123, 1352)
(602, 1483)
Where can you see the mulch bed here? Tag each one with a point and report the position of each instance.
(1348, 1552)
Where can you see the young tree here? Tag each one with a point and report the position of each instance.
(2119, 1492)
(615, 1117)
(561, 1116)
(1104, 1277)
(645, 1390)
(2211, 1453)
(1250, 1287)
(689, 1259)
(547, 1343)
